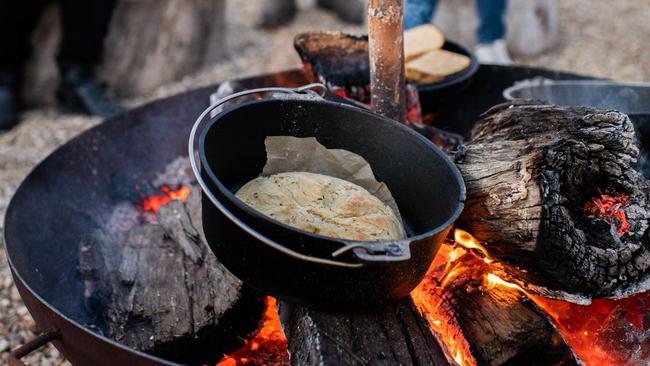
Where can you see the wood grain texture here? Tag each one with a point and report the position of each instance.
(392, 335)
(161, 289)
(529, 170)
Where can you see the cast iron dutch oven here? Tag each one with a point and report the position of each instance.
(311, 269)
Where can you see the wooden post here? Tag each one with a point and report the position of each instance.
(386, 46)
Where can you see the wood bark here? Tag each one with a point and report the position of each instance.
(162, 291)
(529, 170)
(391, 335)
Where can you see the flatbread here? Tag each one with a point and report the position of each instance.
(323, 205)
(435, 65)
(420, 40)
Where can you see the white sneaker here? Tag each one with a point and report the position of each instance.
(495, 53)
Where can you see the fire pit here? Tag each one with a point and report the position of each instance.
(68, 197)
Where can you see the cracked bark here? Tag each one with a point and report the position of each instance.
(162, 291)
(529, 170)
(391, 335)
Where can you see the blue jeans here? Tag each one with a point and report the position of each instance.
(491, 14)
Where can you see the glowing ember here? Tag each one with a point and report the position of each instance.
(606, 332)
(445, 267)
(154, 202)
(268, 347)
(611, 209)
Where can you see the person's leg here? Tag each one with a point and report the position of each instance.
(418, 12)
(17, 21)
(492, 20)
(491, 47)
(84, 27)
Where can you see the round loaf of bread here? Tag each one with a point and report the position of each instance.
(322, 205)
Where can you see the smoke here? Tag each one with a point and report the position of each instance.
(642, 127)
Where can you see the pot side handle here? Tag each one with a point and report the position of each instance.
(31, 346)
(391, 251)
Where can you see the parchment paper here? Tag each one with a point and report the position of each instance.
(294, 154)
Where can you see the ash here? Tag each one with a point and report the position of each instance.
(177, 173)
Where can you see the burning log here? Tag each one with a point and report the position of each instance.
(162, 291)
(482, 320)
(554, 194)
(391, 335)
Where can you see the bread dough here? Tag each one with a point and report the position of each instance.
(322, 205)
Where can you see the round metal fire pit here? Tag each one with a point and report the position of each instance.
(59, 203)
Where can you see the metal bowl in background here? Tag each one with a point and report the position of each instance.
(630, 98)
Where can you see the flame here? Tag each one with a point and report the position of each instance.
(268, 347)
(466, 240)
(611, 209)
(155, 202)
(492, 281)
(447, 265)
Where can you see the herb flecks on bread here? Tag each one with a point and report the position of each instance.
(322, 205)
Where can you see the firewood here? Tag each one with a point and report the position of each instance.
(391, 335)
(532, 172)
(485, 323)
(161, 290)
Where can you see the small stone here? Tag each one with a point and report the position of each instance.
(15, 296)
(22, 311)
(4, 345)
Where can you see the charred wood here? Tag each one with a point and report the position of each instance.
(530, 171)
(161, 290)
(391, 335)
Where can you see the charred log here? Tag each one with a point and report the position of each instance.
(531, 172)
(480, 322)
(392, 335)
(162, 291)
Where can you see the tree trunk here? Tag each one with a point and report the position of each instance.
(150, 43)
(163, 291)
(531, 172)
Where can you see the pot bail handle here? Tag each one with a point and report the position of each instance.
(206, 190)
(31, 346)
(389, 251)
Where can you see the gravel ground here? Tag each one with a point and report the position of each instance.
(596, 38)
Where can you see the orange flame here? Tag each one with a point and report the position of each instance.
(155, 202)
(492, 281)
(446, 266)
(268, 347)
(611, 209)
(466, 240)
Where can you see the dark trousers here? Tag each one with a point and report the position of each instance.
(84, 24)
(491, 13)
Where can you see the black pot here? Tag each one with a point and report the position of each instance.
(310, 269)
